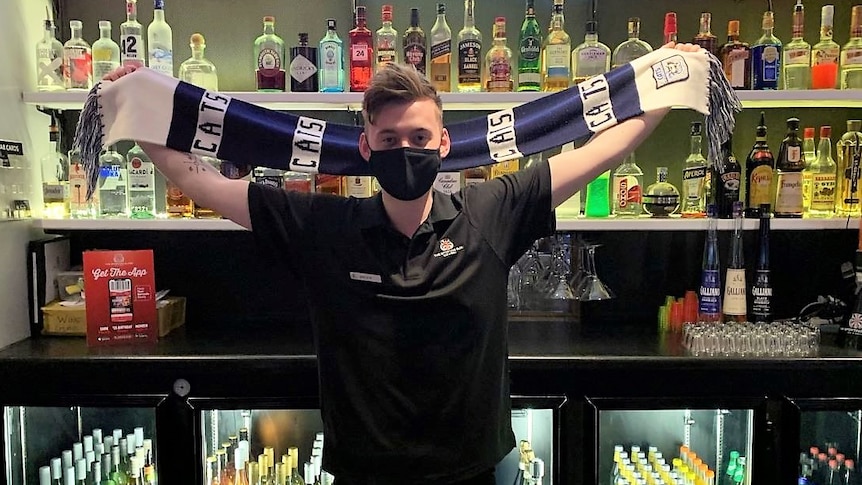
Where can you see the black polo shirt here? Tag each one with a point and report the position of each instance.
(410, 333)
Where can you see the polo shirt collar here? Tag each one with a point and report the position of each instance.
(372, 213)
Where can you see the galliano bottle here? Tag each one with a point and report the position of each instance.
(735, 304)
(709, 304)
(761, 290)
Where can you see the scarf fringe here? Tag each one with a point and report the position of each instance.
(723, 106)
(88, 137)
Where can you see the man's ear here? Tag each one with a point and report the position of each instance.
(364, 147)
(445, 143)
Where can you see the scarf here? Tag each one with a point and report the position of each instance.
(155, 108)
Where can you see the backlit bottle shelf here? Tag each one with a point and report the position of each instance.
(827, 98)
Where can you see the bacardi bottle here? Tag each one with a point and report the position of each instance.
(49, 60)
(789, 166)
(269, 56)
(142, 186)
(386, 39)
(441, 52)
(469, 53)
(77, 60)
(331, 60)
(413, 43)
(113, 184)
(303, 67)
(530, 49)
(498, 61)
(106, 52)
(160, 40)
(361, 53)
(825, 54)
(133, 50)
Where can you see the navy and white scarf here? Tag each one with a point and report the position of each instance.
(148, 106)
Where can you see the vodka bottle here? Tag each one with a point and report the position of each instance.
(49, 61)
(331, 60)
(197, 69)
(160, 40)
(142, 184)
(113, 184)
(106, 52)
(77, 60)
(132, 48)
(627, 189)
(851, 54)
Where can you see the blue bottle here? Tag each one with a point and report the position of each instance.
(766, 55)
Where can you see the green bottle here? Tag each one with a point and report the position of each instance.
(530, 49)
(731, 468)
(598, 196)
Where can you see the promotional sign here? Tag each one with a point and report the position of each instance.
(121, 297)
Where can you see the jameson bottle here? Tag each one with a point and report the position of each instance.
(789, 166)
(441, 52)
(385, 39)
(469, 53)
(847, 177)
(710, 279)
(530, 49)
(414, 43)
(734, 305)
(727, 181)
(761, 291)
(766, 55)
(303, 67)
(735, 58)
(269, 55)
(759, 167)
(331, 60)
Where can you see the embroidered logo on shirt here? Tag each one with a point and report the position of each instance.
(371, 278)
(447, 248)
(669, 71)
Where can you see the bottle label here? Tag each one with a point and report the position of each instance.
(359, 52)
(414, 54)
(331, 59)
(823, 192)
(592, 55)
(794, 154)
(499, 74)
(77, 187)
(799, 56)
(692, 182)
(806, 189)
(503, 168)
(448, 182)
(769, 64)
(825, 56)
(441, 49)
(268, 58)
(130, 49)
(789, 197)
(628, 194)
(141, 174)
(735, 302)
(78, 67)
(735, 61)
(853, 56)
(359, 186)
(761, 296)
(385, 53)
(301, 68)
(760, 186)
(469, 52)
(53, 193)
(162, 59)
(558, 60)
(710, 292)
(530, 49)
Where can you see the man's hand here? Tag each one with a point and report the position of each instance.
(682, 47)
(119, 72)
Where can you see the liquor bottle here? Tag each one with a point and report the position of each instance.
(847, 174)
(142, 184)
(475, 175)
(732, 464)
(498, 61)
(825, 54)
(413, 43)
(132, 49)
(240, 460)
(709, 303)
(79, 206)
(530, 50)
(113, 184)
(469, 53)
(361, 53)
(727, 180)
(328, 184)
(598, 196)
(735, 57)
(298, 181)
(55, 177)
(734, 305)
(269, 55)
(761, 291)
(661, 199)
(694, 176)
(797, 54)
(303, 67)
(503, 168)
(49, 60)
(357, 186)
(385, 40)
(590, 58)
(759, 167)
(441, 52)
(177, 204)
(77, 60)
(295, 478)
(823, 171)
(633, 47)
(331, 60)
(705, 38)
(106, 52)
(160, 41)
(118, 475)
(766, 55)
(197, 69)
(556, 61)
(809, 155)
(270, 177)
(788, 167)
(628, 188)
(670, 27)
(851, 54)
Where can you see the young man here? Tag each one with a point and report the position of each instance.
(408, 288)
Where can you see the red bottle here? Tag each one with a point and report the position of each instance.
(361, 53)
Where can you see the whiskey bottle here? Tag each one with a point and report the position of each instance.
(269, 58)
(823, 171)
(789, 166)
(441, 52)
(414, 43)
(825, 54)
(177, 204)
(361, 53)
(498, 61)
(556, 61)
(847, 176)
(385, 39)
(303, 66)
(735, 58)
(797, 54)
(705, 38)
(530, 51)
(469, 53)
(759, 167)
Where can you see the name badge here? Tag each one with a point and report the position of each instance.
(371, 278)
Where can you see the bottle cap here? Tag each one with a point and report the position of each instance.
(44, 475)
(69, 476)
(854, 125)
(809, 133)
(696, 128)
(77, 451)
(330, 24)
(360, 12)
(833, 463)
(67, 459)
(441, 7)
(131, 443)
(269, 19)
(197, 40)
(56, 469)
(117, 434)
(104, 24)
(825, 131)
(139, 437)
(821, 456)
(90, 456)
(386, 13)
(96, 469)
(840, 457)
(592, 26)
(793, 123)
(414, 17)
(76, 24)
(303, 37)
(81, 469)
(827, 15)
(733, 27)
(848, 463)
(670, 22)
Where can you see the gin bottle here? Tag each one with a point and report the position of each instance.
(851, 54)
(49, 61)
(77, 60)
(142, 187)
(331, 60)
(705, 38)
(106, 52)
(823, 187)
(709, 304)
(197, 69)
(385, 40)
(627, 189)
(556, 60)
(735, 58)
(55, 177)
(361, 53)
(590, 58)
(530, 49)
(441, 52)
(797, 54)
(160, 40)
(79, 205)
(498, 61)
(413, 43)
(632, 48)
(132, 46)
(735, 305)
(694, 176)
(303, 67)
(469, 53)
(788, 168)
(269, 55)
(661, 199)
(847, 176)
(825, 54)
(113, 184)
(766, 55)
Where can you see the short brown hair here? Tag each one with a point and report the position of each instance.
(396, 83)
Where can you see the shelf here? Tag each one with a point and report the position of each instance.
(580, 224)
(73, 100)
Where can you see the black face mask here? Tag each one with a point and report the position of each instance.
(405, 173)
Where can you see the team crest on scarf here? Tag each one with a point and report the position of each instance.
(670, 70)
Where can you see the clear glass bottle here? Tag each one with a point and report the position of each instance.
(590, 58)
(269, 57)
(49, 61)
(709, 303)
(414, 44)
(132, 48)
(735, 58)
(627, 188)
(788, 174)
(694, 175)
(441, 52)
(197, 69)
(331, 60)
(295, 478)
(498, 61)
(766, 56)
(851, 54)
(113, 184)
(79, 206)
(847, 174)
(809, 154)
(469, 53)
(797, 54)
(633, 47)
(386, 39)
(303, 67)
(661, 199)
(735, 307)
(142, 184)
(530, 52)
(556, 52)
(106, 52)
(361, 53)
(77, 60)
(825, 54)
(823, 170)
(55, 177)
(705, 38)
(160, 41)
